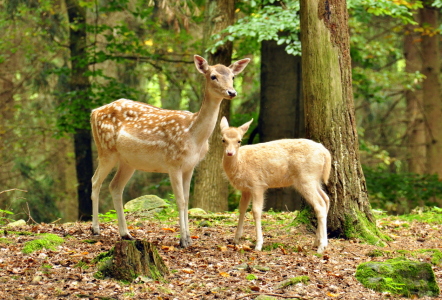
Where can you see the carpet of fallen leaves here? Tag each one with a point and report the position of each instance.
(212, 268)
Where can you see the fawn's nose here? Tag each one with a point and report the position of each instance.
(231, 93)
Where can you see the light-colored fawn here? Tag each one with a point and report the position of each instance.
(138, 136)
(252, 169)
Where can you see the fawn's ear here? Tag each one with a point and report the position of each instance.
(239, 66)
(201, 64)
(245, 126)
(223, 125)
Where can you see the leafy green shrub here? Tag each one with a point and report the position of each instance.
(399, 193)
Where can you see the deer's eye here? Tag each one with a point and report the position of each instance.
(233, 78)
(224, 140)
(239, 142)
(213, 77)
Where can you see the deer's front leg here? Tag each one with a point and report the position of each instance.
(176, 180)
(243, 205)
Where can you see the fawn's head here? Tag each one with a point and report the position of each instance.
(219, 78)
(232, 136)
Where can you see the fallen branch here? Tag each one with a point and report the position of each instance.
(270, 294)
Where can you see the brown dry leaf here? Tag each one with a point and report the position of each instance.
(255, 288)
(224, 274)
(188, 271)
(168, 248)
(222, 248)
(283, 250)
(169, 229)
(332, 295)
(246, 248)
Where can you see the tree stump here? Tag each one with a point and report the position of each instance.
(130, 259)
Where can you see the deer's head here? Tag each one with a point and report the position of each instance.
(219, 78)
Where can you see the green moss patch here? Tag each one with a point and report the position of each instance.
(399, 276)
(45, 241)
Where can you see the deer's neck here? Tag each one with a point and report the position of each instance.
(206, 118)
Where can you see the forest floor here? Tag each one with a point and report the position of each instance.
(212, 268)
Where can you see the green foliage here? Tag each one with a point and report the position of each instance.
(265, 20)
(251, 277)
(46, 241)
(399, 193)
(3, 219)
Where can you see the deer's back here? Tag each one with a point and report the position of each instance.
(278, 163)
(137, 131)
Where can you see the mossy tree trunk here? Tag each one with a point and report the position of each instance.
(329, 114)
(131, 259)
(211, 186)
(431, 87)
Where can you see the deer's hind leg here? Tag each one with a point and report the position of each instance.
(105, 165)
(116, 188)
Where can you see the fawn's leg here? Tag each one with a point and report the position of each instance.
(257, 205)
(243, 205)
(309, 190)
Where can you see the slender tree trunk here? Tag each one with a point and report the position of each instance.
(79, 85)
(431, 87)
(416, 128)
(282, 110)
(211, 187)
(329, 112)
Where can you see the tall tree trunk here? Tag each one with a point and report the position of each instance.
(282, 110)
(79, 83)
(329, 112)
(431, 87)
(211, 189)
(416, 128)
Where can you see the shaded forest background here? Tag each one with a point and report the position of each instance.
(60, 59)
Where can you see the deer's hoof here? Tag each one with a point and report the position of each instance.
(95, 231)
(127, 237)
(184, 243)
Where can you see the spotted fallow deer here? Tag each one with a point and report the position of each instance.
(138, 136)
(252, 169)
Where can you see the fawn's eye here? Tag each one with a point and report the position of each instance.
(224, 140)
(213, 77)
(233, 78)
(239, 142)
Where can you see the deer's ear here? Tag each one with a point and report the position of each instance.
(239, 66)
(245, 126)
(223, 125)
(201, 64)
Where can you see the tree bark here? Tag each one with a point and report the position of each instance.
(79, 86)
(431, 87)
(329, 113)
(281, 110)
(416, 142)
(211, 189)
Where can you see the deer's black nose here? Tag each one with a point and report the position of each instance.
(231, 93)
